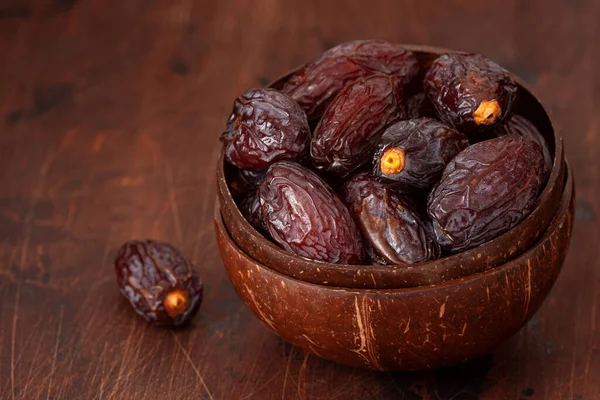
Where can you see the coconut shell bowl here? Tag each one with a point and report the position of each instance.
(423, 316)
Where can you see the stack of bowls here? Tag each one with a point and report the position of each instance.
(423, 316)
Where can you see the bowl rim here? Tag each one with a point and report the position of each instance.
(558, 168)
(567, 197)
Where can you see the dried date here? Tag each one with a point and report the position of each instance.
(413, 153)
(373, 257)
(486, 190)
(265, 126)
(470, 92)
(250, 209)
(347, 135)
(305, 216)
(316, 85)
(396, 230)
(520, 125)
(159, 283)
(419, 106)
(242, 181)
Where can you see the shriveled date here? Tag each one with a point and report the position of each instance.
(352, 125)
(265, 126)
(306, 217)
(159, 283)
(470, 92)
(250, 209)
(485, 191)
(520, 125)
(419, 106)
(318, 83)
(413, 153)
(396, 230)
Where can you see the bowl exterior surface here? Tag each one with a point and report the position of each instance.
(403, 329)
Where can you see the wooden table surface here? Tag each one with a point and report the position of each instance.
(110, 112)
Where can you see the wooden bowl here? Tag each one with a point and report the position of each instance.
(491, 254)
(404, 329)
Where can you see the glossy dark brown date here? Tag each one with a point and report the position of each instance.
(265, 126)
(250, 209)
(393, 228)
(486, 190)
(241, 181)
(521, 126)
(470, 92)
(159, 283)
(419, 106)
(347, 135)
(305, 216)
(316, 85)
(413, 153)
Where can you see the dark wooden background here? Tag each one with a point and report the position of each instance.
(110, 112)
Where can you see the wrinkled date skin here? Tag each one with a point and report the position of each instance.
(413, 153)
(373, 257)
(316, 85)
(305, 216)
(395, 230)
(419, 106)
(470, 92)
(159, 283)
(243, 181)
(352, 125)
(265, 126)
(250, 209)
(485, 191)
(520, 125)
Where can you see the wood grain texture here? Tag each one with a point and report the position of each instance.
(109, 117)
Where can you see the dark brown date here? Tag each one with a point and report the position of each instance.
(250, 209)
(242, 181)
(413, 153)
(316, 85)
(396, 231)
(347, 135)
(265, 126)
(373, 258)
(520, 125)
(419, 106)
(470, 92)
(159, 283)
(305, 216)
(485, 191)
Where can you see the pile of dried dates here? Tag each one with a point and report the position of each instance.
(361, 157)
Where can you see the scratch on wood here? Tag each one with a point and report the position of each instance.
(55, 356)
(100, 362)
(125, 357)
(206, 204)
(13, 336)
(287, 372)
(173, 202)
(588, 360)
(34, 330)
(252, 368)
(302, 377)
(189, 359)
(407, 325)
